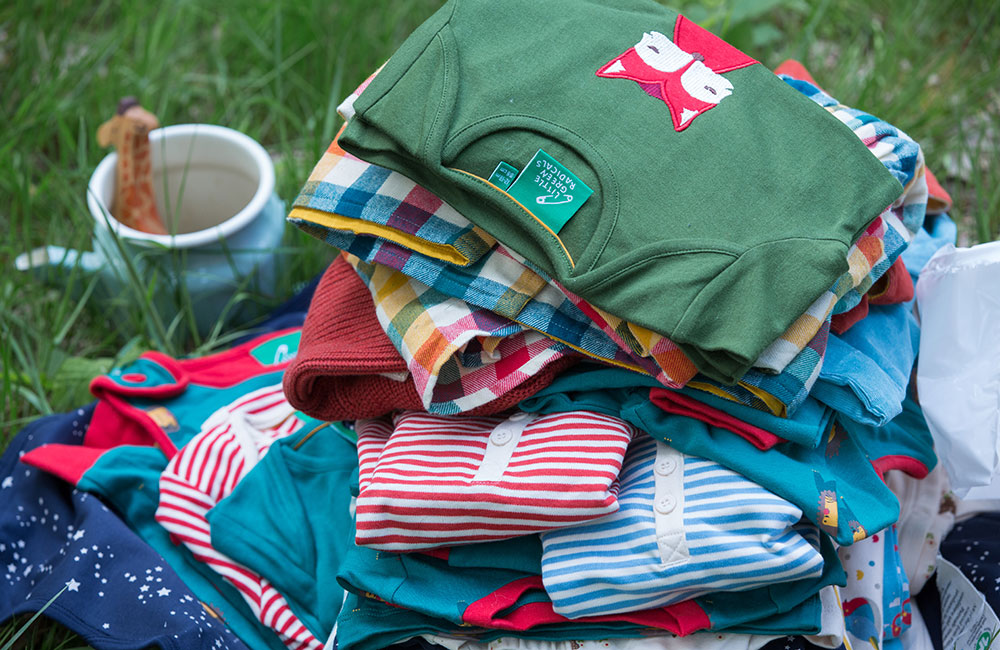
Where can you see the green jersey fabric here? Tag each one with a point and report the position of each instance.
(724, 202)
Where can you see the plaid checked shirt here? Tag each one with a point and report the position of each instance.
(459, 356)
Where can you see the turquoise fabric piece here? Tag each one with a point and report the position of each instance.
(369, 623)
(128, 478)
(429, 586)
(522, 553)
(289, 521)
(938, 230)
(806, 426)
(904, 443)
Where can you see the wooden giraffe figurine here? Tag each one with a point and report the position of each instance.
(134, 204)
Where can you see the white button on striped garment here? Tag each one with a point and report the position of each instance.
(436, 480)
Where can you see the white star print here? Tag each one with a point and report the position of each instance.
(12, 567)
(106, 625)
(164, 592)
(78, 534)
(7, 482)
(132, 579)
(73, 585)
(144, 588)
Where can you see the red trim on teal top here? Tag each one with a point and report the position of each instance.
(911, 466)
(681, 618)
(233, 366)
(440, 553)
(104, 384)
(118, 422)
(680, 404)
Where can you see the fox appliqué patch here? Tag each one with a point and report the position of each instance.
(686, 72)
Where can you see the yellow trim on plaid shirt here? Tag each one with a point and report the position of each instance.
(334, 221)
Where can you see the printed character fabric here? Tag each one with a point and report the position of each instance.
(876, 599)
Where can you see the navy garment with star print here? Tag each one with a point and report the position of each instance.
(54, 537)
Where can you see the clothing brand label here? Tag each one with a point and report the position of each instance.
(549, 190)
(278, 350)
(503, 175)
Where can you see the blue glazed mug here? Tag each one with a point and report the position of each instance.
(214, 190)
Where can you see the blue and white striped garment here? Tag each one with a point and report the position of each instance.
(685, 527)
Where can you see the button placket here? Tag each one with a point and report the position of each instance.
(668, 504)
(500, 446)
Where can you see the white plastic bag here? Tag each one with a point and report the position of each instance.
(958, 370)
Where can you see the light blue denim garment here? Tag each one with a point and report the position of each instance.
(938, 230)
(867, 368)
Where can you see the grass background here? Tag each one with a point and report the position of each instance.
(276, 70)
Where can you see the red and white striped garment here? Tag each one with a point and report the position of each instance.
(205, 471)
(436, 480)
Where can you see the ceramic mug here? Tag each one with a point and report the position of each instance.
(214, 190)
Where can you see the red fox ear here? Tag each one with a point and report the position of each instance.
(717, 54)
(613, 68)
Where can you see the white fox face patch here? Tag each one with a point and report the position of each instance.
(685, 73)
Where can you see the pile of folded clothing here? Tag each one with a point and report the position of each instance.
(624, 359)
(616, 352)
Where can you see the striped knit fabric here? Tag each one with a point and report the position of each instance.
(428, 481)
(205, 471)
(685, 527)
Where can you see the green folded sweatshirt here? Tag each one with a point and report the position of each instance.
(666, 177)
